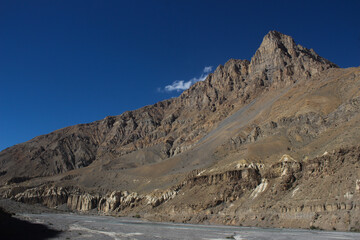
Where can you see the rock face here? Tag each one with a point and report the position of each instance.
(287, 194)
(284, 195)
(82, 202)
(50, 196)
(280, 59)
(267, 142)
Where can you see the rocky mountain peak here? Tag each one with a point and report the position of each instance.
(275, 40)
(279, 58)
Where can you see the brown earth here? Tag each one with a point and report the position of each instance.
(269, 142)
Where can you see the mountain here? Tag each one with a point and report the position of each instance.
(267, 142)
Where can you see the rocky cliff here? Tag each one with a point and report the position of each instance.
(258, 142)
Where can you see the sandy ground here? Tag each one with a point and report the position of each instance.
(73, 226)
(61, 224)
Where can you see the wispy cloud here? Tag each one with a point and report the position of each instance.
(178, 86)
(207, 69)
(181, 85)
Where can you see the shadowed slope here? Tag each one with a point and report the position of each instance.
(13, 228)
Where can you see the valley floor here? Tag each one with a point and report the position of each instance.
(73, 226)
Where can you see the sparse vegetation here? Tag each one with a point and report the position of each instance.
(314, 228)
(18, 180)
(354, 229)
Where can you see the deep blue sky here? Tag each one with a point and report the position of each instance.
(69, 62)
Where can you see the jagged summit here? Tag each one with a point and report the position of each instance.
(278, 38)
(280, 58)
(278, 62)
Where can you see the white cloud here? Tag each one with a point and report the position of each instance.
(201, 78)
(178, 86)
(181, 85)
(207, 69)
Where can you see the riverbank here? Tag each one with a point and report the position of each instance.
(73, 226)
(64, 224)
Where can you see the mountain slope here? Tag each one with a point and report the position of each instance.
(244, 139)
(173, 124)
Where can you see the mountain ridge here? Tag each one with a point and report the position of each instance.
(236, 69)
(287, 102)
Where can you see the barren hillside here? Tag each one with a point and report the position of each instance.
(269, 142)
